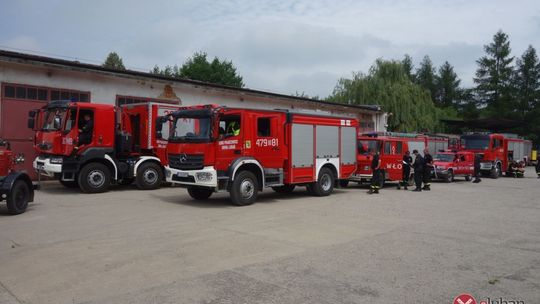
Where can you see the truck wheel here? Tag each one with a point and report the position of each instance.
(449, 177)
(69, 184)
(18, 197)
(325, 183)
(245, 189)
(199, 193)
(344, 183)
(284, 189)
(94, 178)
(495, 172)
(149, 176)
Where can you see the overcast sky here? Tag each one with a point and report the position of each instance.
(279, 46)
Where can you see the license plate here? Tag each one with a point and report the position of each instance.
(182, 174)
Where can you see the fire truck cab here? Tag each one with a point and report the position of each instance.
(90, 145)
(214, 148)
(497, 150)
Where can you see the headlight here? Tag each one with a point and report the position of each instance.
(204, 176)
(57, 160)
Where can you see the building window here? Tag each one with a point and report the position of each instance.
(123, 100)
(32, 93)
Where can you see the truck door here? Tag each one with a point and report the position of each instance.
(230, 139)
(267, 144)
(392, 159)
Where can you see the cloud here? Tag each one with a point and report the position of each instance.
(277, 45)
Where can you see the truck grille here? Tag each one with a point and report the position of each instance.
(186, 161)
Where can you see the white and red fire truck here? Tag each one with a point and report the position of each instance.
(497, 150)
(121, 148)
(243, 151)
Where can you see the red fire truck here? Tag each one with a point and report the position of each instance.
(391, 148)
(16, 188)
(497, 150)
(448, 165)
(121, 148)
(214, 148)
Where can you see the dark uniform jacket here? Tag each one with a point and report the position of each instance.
(407, 162)
(375, 162)
(418, 163)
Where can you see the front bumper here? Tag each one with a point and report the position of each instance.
(205, 177)
(361, 177)
(44, 166)
(486, 166)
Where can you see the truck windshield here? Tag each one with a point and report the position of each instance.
(53, 119)
(475, 142)
(444, 157)
(369, 146)
(186, 129)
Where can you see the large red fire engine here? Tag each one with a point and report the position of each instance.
(497, 150)
(391, 148)
(121, 147)
(16, 188)
(213, 148)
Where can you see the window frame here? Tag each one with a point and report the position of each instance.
(39, 90)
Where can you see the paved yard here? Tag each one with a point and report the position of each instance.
(130, 246)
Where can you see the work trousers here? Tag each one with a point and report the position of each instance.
(418, 175)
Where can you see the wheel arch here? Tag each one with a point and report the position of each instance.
(107, 161)
(144, 159)
(250, 164)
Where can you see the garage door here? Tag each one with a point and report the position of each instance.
(15, 103)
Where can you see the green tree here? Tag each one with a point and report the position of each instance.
(221, 72)
(408, 66)
(494, 75)
(447, 86)
(388, 85)
(199, 68)
(527, 81)
(425, 76)
(113, 61)
(527, 93)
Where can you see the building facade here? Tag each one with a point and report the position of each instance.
(28, 82)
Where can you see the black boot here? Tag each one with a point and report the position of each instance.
(405, 187)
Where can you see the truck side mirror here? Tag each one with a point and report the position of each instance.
(159, 126)
(32, 119)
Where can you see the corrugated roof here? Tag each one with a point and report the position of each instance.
(77, 64)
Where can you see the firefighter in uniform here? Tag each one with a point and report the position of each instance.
(538, 168)
(428, 169)
(405, 170)
(418, 167)
(376, 178)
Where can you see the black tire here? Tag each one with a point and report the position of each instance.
(343, 183)
(94, 178)
(325, 183)
(449, 177)
(149, 176)
(284, 189)
(467, 178)
(70, 184)
(244, 189)
(495, 172)
(200, 193)
(18, 198)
